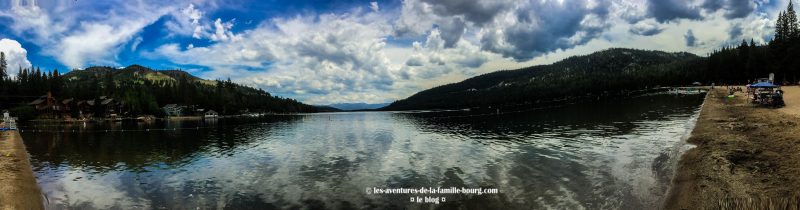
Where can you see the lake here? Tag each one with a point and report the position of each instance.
(603, 155)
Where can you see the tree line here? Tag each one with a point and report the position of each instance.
(620, 72)
(138, 95)
(607, 73)
(748, 61)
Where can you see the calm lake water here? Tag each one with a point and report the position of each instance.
(603, 155)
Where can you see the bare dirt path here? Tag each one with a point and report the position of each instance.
(792, 98)
(18, 188)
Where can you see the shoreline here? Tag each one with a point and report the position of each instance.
(18, 187)
(169, 118)
(743, 156)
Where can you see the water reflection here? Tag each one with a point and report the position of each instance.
(600, 155)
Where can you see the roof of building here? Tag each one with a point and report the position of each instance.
(66, 101)
(108, 100)
(36, 102)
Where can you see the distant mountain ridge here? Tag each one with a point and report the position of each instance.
(603, 72)
(159, 87)
(357, 106)
(131, 72)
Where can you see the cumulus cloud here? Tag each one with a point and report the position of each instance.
(329, 58)
(449, 16)
(374, 6)
(647, 28)
(190, 21)
(222, 31)
(378, 53)
(733, 8)
(29, 18)
(690, 39)
(432, 58)
(16, 56)
(186, 22)
(631, 11)
(475, 11)
(312, 58)
(415, 60)
(757, 27)
(77, 39)
(542, 27)
(667, 10)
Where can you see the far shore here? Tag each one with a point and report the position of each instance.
(746, 157)
(18, 188)
(168, 118)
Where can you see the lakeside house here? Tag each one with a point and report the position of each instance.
(47, 106)
(174, 110)
(211, 114)
(85, 108)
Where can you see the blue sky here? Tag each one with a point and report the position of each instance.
(323, 52)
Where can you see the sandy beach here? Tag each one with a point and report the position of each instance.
(745, 157)
(18, 188)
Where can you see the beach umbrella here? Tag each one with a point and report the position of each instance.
(763, 85)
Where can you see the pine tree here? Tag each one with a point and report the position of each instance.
(19, 74)
(108, 84)
(3, 67)
(22, 78)
(3, 75)
(56, 83)
(780, 30)
(791, 29)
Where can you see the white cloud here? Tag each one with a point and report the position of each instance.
(222, 31)
(28, 17)
(78, 38)
(96, 43)
(190, 21)
(16, 56)
(647, 27)
(186, 22)
(331, 58)
(346, 56)
(415, 18)
(136, 43)
(193, 14)
(374, 6)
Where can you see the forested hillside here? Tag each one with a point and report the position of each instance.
(616, 71)
(605, 72)
(142, 90)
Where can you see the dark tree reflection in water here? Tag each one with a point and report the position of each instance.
(613, 154)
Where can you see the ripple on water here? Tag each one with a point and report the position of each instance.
(587, 156)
